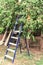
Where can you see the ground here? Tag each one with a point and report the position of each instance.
(35, 58)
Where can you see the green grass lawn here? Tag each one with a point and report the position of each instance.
(35, 58)
(39, 62)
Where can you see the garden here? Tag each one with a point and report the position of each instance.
(28, 15)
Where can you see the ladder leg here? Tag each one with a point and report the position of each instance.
(20, 46)
(28, 46)
(25, 42)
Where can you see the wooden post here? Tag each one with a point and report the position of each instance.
(2, 41)
(38, 38)
(6, 42)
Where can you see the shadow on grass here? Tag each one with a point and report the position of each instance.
(25, 55)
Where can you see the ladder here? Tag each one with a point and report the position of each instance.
(15, 35)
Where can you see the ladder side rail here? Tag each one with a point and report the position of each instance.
(17, 42)
(16, 23)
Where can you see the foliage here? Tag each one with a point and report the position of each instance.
(35, 25)
(35, 11)
(6, 10)
(1, 30)
(9, 9)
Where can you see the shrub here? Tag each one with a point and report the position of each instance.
(1, 30)
(6, 10)
(9, 9)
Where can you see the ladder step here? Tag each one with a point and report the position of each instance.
(16, 31)
(12, 44)
(16, 23)
(9, 57)
(11, 50)
(14, 37)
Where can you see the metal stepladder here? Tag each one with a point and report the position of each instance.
(13, 37)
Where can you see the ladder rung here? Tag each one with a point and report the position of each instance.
(16, 31)
(14, 37)
(12, 44)
(16, 23)
(7, 56)
(11, 50)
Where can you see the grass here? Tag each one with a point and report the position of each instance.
(35, 58)
(40, 62)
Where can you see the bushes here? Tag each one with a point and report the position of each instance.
(1, 30)
(6, 10)
(34, 10)
(9, 9)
